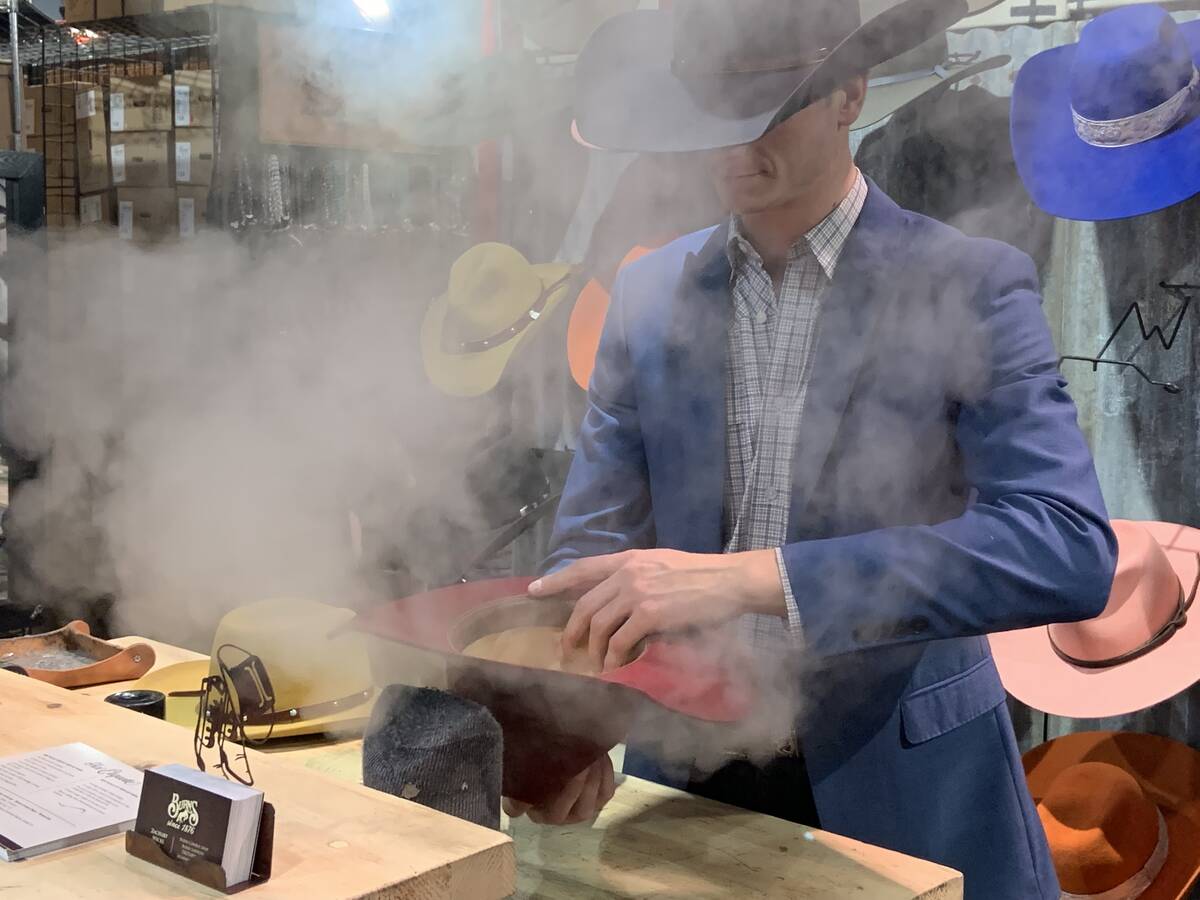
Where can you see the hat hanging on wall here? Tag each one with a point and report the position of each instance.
(496, 300)
(1143, 649)
(1121, 814)
(716, 73)
(587, 323)
(563, 26)
(1110, 127)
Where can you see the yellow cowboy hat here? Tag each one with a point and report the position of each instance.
(495, 300)
(321, 680)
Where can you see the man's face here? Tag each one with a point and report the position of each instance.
(787, 161)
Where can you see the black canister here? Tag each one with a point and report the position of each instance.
(152, 703)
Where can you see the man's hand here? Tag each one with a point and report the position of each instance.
(580, 801)
(629, 596)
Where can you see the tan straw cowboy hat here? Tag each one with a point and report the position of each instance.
(495, 301)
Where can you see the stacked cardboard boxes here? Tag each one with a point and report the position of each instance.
(92, 10)
(164, 167)
(140, 124)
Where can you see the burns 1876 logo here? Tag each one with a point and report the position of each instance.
(183, 815)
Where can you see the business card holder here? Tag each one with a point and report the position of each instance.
(208, 873)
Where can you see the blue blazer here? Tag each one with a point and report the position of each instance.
(941, 490)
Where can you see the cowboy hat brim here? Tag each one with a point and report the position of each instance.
(474, 374)
(1169, 773)
(628, 97)
(1033, 673)
(1071, 179)
(186, 677)
(884, 99)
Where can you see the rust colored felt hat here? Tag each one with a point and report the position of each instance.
(1121, 813)
(1143, 649)
(587, 322)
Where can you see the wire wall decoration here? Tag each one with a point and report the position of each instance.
(1185, 293)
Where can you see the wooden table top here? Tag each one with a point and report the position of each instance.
(654, 841)
(333, 839)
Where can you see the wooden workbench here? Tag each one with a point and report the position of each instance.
(333, 839)
(652, 841)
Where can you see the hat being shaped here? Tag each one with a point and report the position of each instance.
(1108, 128)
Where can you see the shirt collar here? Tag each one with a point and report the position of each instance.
(825, 240)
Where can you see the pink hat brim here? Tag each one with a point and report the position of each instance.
(1033, 673)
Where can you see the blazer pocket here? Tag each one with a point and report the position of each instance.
(934, 710)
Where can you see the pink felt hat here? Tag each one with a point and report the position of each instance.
(1141, 650)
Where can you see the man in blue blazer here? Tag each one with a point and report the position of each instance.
(841, 426)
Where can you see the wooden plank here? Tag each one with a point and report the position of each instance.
(332, 839)
(652, 840)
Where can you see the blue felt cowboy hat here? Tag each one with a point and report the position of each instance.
(1109, 128)
(716, 73)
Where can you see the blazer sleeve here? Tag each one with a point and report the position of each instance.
(1034, 547)
(605, 506)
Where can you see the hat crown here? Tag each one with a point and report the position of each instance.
(728, 36)
(306, 665)
(1101, 826)
(491, 286)
(1128, 61)
(1143, 599)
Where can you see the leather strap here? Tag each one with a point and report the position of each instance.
(307, 713)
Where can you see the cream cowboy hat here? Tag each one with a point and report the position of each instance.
(321, 679)
(495, 300)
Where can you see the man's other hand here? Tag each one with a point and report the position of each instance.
(580, 801)
(625, 597)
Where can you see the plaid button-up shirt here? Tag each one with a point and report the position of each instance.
(771, 343)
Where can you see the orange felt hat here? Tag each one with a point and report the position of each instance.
(1121, 813)
(1143, 649)
(587, 322)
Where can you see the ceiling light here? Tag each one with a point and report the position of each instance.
(374, 10)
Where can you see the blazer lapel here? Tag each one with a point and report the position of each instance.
(695, 369)
(849, 313)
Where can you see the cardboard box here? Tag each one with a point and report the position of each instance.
(62, 201)
(192, 203)
(97, 210)
(141, 159)
(91, 10)
(61, 221)
(194, 99)
(140, 104)
(91, 143)
(79, 10)
(143, 7)
(147, 214)
(194, 157)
